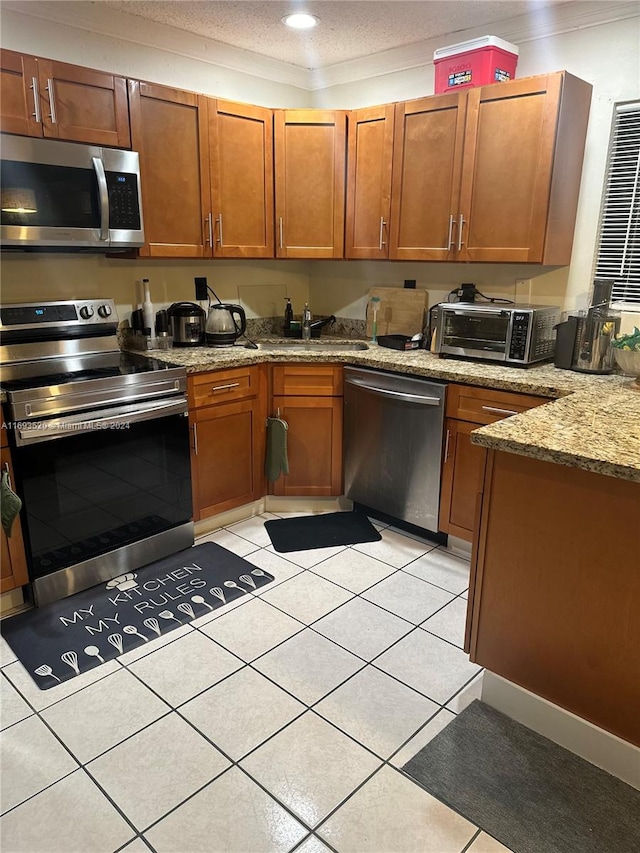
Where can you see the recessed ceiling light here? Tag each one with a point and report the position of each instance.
(301, 21)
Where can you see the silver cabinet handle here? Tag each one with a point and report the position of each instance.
(103, 192)
(195, 439)
(281, 233)
(8, 473)
(220, 230)
(36, 99)
(446, 446)
(461, 224)
(209, 236)
(215, 388)
(450, 237)
(382, 224)
(498, 411)
(52, 106)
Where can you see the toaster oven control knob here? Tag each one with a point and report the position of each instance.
(104, 311)
(86, 312)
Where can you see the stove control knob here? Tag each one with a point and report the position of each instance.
(86, 312)
(104, 311)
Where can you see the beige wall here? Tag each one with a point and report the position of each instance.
(606, 55)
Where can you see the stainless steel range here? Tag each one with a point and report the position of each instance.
(100, 444)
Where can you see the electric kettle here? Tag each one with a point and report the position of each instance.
(222, 329)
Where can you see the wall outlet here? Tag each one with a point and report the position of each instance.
(201, 288)
(523, 288)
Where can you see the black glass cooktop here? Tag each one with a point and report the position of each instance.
(83, 368)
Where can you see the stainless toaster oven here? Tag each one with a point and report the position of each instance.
(512, 334)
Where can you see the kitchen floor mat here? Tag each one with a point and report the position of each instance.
(529, 793)
(320, 531)
(61, 640)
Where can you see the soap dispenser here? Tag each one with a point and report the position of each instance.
(288, 314)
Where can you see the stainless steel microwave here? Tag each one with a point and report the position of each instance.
(65, 196)
(513, 334)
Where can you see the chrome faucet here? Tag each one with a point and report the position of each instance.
(306, 322)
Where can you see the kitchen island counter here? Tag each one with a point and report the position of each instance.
(593, 423)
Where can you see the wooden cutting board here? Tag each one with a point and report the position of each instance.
(401, 311)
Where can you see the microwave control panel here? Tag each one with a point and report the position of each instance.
(124, 205)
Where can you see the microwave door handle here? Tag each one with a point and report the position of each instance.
(103, 193)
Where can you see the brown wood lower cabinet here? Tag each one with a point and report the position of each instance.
(13, 563)
(227, 417)
(555, 588)
(463, 464)
(309, 398)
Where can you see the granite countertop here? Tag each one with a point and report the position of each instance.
(592, 422)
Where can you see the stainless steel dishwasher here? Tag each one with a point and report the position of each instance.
(393, 444)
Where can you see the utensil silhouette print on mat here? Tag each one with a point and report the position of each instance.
(167, 614)
(187, 609)
(116, 642)
(153, 625)
(219, 593)
(234, 585)
(198, 599)
(258, 573)
(45, 669)
(71, 659)
(248, 580)
(94, 652)
(129, 629)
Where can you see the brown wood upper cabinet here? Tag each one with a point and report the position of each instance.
(370, 151)
(310, 152)
(42, 97)
(241, 144)
(211, 195)
(490, 174)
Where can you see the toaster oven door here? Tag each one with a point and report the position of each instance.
(475, 333)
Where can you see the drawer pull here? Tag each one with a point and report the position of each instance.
(195, 439)
(498, 411)
(446, 446)
(216, 388)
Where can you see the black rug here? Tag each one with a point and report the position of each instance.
(320, 531)
(63, 639)
(531, 794)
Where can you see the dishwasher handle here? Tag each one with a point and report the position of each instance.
(397, 395)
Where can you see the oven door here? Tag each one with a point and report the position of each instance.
(475, 333)
(103, 493)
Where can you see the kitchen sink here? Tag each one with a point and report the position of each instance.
(313, 346)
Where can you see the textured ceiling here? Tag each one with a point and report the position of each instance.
(349, 29)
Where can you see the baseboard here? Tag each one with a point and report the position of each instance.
(11, 601)
(459, 547)
(275, 503)
(605, 750)
(231, 516)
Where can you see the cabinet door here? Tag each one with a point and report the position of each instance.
(314, 446)
(227, 456)
(241, 144)
(369, 161)
(310, 150)
(522, 164)
(82, 105)
(13, 563)
(427, 162)
(462, 475)
(169, 132)
(19, 99)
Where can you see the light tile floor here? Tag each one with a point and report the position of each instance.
(278, 723)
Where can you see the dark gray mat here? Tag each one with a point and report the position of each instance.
(66, 638)
(320, 531)
(526, 791)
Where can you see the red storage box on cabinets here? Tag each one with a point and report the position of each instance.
(477, 62)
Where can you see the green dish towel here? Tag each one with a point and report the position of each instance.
(276, 460)
(10, 503)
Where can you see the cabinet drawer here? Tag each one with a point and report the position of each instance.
(485, 406)
(304, 380)
(223, 386)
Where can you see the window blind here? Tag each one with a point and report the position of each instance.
(618, 250)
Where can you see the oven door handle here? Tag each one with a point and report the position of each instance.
(119, 418)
